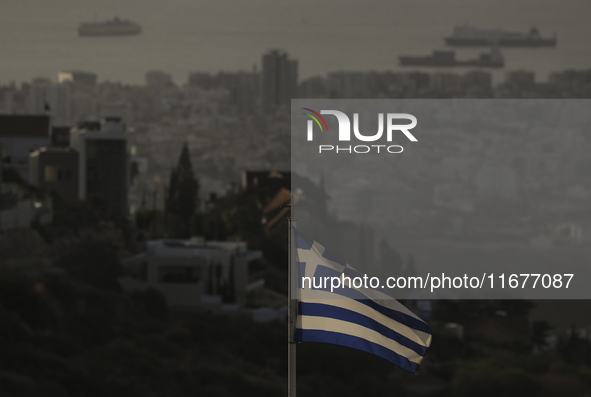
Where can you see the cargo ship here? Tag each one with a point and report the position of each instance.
(470, 36)
(492, 59)
(114, 27)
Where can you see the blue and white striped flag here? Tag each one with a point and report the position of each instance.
(362, 318)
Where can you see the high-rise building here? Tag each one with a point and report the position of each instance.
(520, 78)
(314, 87)
(76, 97)
(77, 77)
(103, 170)
(54, 99)
(158, 80)
(72, 98)
(240, 88)
(446, 82)
(279, 80)
(477, 79)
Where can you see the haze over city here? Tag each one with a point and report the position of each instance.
(182, 36)
(152, 157)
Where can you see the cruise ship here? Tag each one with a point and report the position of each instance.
(114, 27)
(492, 59)
(471, 36)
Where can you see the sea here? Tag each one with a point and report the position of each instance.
(39, 38)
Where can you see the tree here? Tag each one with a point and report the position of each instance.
(93, 263)
(183, 191)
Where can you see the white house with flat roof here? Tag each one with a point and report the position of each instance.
(193, 273)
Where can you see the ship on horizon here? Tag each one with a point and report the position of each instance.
(467, 35)
(113, 27)
(492, 59)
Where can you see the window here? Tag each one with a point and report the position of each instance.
(53, 173)
(57, 174)
(178, 274)
(91, 149)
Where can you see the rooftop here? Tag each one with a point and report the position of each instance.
(196, 246)
(24, 126)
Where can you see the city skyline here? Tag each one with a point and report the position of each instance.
(186, 37)
(153, 159)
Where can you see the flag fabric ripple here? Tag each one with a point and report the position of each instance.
(361, 318)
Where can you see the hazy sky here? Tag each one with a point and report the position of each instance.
(37, 38)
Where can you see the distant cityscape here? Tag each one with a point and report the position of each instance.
(224, 117)
(148, 224)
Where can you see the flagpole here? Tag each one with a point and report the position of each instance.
(291, 319)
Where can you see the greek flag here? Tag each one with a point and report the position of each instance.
(362, 318)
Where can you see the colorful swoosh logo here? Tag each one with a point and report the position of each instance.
(315, 117)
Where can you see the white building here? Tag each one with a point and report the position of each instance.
(193, 273)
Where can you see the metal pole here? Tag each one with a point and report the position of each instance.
(1, 189)
(291, 319)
